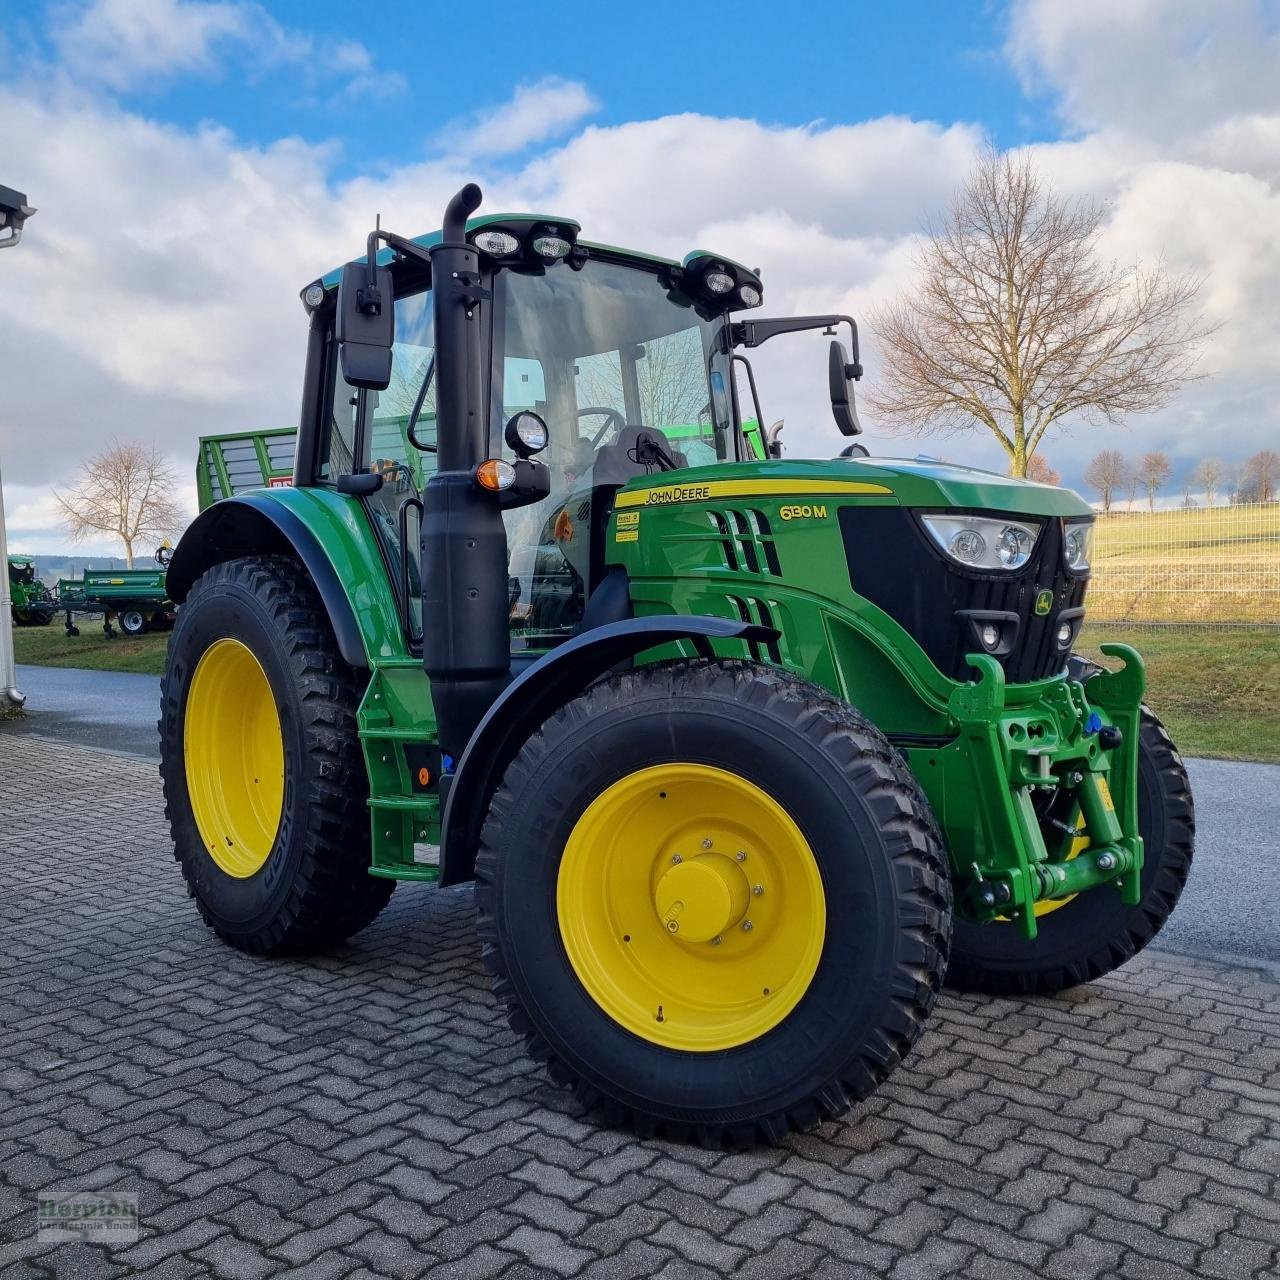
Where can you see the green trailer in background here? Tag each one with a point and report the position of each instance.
(230, 464)
(136, 599)
(33, 603)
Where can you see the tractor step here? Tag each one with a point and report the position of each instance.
(404, 773)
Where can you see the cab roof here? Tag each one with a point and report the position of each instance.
(386, 254)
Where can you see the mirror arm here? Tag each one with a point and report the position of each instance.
(755, 333)
(370, 300)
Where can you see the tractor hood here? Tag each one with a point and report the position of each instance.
(911, 482)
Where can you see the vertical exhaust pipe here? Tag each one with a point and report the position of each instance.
(466, 647)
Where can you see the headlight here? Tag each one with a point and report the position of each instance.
(718, 281)
(983, 542)
(1077, 546)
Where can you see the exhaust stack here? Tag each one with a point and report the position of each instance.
(466, 647)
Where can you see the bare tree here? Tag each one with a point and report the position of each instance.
(1188, 502)
(1154, 471)
(1261, 476)
(126, 491)
(1017, 326)
(1208, 475)
(1108, 473)
(1131, 482)
(1039, 470)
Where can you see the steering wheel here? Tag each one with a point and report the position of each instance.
(612, 418)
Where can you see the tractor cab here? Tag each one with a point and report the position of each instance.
(623, 363)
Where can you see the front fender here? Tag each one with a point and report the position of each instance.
(541, 690)
(331, 535)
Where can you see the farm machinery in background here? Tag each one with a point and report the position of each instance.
(136, 600)
(32, 603)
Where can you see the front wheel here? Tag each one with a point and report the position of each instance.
(1082, 938)
(712, 897)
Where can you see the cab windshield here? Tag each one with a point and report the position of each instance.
(632, 380)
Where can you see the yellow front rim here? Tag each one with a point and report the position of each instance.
(234, 753)
(691, 907)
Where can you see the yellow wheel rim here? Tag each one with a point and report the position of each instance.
(234, 753)
(691, 907)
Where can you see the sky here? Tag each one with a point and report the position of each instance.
(196, 162)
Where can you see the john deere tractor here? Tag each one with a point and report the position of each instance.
(745, 755)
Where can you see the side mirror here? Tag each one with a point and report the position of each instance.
(366, 328)
(842, 374)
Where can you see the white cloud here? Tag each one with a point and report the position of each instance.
(134, 44)
(1163, 68)
(158, 285)
(534, 113)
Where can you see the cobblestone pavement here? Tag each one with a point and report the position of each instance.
(368, 1113)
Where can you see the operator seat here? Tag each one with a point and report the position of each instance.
(618, 462)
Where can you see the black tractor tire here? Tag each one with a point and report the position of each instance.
(314, 888)
(1095, 932)
(884, 879)
(133, 622)
(41, 617)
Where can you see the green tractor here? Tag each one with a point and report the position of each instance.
(33, 604)
(746, 756)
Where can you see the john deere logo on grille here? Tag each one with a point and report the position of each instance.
(1044, 602)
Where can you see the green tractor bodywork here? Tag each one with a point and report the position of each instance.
(529, 493)
(980, 746)
(33, 604)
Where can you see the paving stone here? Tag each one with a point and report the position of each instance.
(368, 1113)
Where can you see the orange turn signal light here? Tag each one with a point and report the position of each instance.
(495, 474)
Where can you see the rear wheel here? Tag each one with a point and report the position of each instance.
(1083, 937)
(264, 781)
(712, 898)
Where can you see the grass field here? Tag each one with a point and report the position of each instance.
(51, 647)
(1217, 690)
(1200, 566)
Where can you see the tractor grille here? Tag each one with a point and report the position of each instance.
(894, 564)
(762, 613)
(746, 540)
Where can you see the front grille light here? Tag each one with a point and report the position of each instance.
(1077, 545)
(984, 542)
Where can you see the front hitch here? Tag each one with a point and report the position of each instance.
(1060, 742)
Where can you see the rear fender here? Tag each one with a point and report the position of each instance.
(537, 693)
(330, 534)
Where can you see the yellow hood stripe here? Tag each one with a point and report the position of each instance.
(708, 490)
